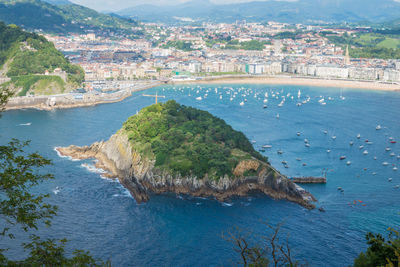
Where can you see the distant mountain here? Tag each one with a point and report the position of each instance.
(58, 2)
(301, 11)
(60, 18)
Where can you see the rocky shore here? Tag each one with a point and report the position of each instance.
(141, 178)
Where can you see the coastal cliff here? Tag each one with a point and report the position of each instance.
(143, 170)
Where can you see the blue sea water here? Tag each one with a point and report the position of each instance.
(99, 215)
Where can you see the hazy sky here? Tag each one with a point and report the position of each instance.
(115, 5)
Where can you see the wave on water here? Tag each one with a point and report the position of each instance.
(62, 156)
(225, 204)
(92, 168)
(109, 179)
(124, 192)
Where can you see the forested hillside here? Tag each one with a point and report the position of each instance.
(25, 58)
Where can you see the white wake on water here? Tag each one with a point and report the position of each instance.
(61, 156)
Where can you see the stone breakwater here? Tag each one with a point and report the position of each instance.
(140, 177)
(72, 100)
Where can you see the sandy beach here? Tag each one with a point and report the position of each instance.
(289, 80)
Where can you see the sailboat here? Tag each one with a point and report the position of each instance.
(341, 95)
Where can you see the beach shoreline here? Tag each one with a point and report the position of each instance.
(293, 80)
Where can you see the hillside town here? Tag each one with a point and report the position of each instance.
(192, 52)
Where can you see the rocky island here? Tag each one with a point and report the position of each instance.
(168, 147)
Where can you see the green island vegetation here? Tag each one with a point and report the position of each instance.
(187, 141)
(25, 57)
(181, 45)
(383, 44)
(36, 14)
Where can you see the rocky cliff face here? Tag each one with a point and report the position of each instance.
(140, 177)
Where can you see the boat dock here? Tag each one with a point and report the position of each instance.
(309, 180)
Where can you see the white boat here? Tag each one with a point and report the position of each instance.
(298, 94)
(242, 103)
(390, 179)
(334, 137)
(298, 133)
(341, 95)
(358, 136)
(378, 127)
(365, 152)
(328, 151)
(199, 98)
(325, 132)
(395, 168)
(265, 100)
(392, 154)
(25, 124)
(361, 147)
(348, 162)
(266, 146)
(307, 145)
(277, 116)
(342, 157)
(388, 149)
(385, 163)
(351, 143)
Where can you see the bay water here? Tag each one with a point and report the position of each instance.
(99, 215)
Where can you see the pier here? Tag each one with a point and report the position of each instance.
(309, 180)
